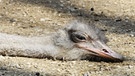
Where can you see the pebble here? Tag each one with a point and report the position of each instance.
(0, 16)
(71, 8)
(1, 57)
(86, 74)
(44, 19)
(132, 34)
(37, 74)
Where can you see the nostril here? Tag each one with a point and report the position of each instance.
(105, 50)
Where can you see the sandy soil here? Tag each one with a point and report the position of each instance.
(37, 17)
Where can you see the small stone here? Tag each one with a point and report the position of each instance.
(92, 9)
(118, 20)
(44, 19)
(72, 9)
(12, 20)
(37, 74)
(132, 34)
(86, 74)
(0, 16)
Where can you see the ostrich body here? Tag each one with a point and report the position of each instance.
(76, 41)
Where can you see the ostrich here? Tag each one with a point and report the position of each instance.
(74, 42)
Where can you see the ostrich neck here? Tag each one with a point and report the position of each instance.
(27, 46)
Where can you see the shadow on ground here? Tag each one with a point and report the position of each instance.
(13, 72)
(119, 25)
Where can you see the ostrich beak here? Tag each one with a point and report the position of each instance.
(101, 50)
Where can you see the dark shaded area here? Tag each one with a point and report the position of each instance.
(101, 59)
(11, 72)
(66, 7)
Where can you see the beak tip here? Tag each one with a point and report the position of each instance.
(116, 57)
(119, 58)
(122, 58)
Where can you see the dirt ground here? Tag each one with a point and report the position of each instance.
(37, 17)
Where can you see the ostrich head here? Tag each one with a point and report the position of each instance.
(83, 41)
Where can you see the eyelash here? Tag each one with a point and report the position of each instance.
(77, 38)
(80, 37)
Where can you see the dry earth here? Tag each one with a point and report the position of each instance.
(37, 17)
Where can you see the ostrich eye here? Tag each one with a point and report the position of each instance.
(78, 37)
